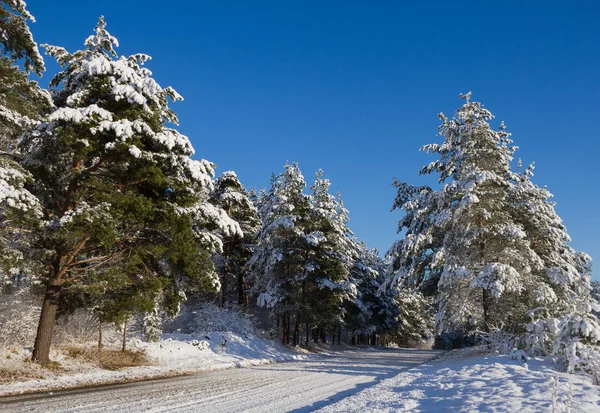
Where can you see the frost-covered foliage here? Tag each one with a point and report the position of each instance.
(300, 266)
(277, 263)
(376, 309)
(16, 40)
(488, 245)
(19, 311)
(22, 104)
(230, 196)
(577, 332)
(206, 318)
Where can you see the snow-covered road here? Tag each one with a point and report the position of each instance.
(301, 386)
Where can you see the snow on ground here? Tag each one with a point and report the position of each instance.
(174, 354)
(299, 386)
(460, 382)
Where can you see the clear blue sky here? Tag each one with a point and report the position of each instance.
(354, 87)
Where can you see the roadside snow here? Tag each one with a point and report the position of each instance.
(174, 354)
(467, 383)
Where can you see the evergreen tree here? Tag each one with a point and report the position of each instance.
(117, 185)
(328, 256)
(22, 104)
(279, 260)
(464, 236)
(231, 196)
(489, 245)
(577, 341)
(373, 309)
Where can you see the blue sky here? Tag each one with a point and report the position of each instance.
(354, 87)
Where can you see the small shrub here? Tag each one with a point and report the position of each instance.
(115, 359)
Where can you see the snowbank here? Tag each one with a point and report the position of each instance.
(174, 354)
(461, 382)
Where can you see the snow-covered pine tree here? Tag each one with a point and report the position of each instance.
(373, 309)
(327, 258)
(561, 278)
(117, 185)
(416, 260)
(465, 234)
(577, 341)
(230, 195)
(278, 264)
(488, 261)
(22, 104)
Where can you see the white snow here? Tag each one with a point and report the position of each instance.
(460, 382)
(300, 386)
(174, 354)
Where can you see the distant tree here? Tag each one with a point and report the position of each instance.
(372, 309)
(231, 196)
(280, 257)
(117, 185)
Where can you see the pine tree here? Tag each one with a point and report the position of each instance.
(22, 104)
(464, 236)
(328, 256)
(231, 196)
(489, 245)
(279, 260)
(577, 341)
(373, 309)
(117, 185)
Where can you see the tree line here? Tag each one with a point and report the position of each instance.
(103, 206)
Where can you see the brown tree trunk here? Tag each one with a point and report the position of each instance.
(100, 336)
(283, 330)
(43, 339)
(297, 331)
(124, 347)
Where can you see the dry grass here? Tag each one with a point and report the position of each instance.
(108, 359)
(15, 368)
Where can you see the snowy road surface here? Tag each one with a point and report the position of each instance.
(301, 386)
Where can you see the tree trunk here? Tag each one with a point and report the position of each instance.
(307, 336)
(225, 275)
(284, 336)
(485, 303)
(100, 336)
(297, 331)
(340, 336)
(240, 288)
(124, 347)
(43, 339)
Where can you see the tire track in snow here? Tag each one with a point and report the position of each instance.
(299, 386)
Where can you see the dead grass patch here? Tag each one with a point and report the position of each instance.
(17, 369)
(108, 359)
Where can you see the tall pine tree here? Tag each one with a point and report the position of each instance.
(117, 185)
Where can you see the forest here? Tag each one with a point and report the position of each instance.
(106, 210)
